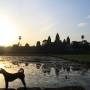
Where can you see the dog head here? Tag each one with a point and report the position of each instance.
(21, 70)
(1, 70)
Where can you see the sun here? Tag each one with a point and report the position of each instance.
(7, 31)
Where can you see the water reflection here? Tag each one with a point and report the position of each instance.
(38, 65)
(58, 67)
(46, 72)
(46, 67)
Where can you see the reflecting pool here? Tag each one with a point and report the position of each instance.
(45, 71)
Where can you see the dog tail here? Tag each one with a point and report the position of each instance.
(21, 70)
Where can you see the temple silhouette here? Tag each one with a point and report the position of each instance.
(49, 47)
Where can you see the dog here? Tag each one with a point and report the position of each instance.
(9, 77)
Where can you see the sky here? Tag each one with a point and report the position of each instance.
(35, 20)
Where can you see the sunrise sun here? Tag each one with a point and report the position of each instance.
(7, 31)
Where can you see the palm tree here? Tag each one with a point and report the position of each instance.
(82, 37)
(19, 40)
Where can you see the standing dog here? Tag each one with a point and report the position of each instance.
(12, 76)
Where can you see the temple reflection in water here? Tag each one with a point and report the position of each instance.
(46, 68)
(45, 71)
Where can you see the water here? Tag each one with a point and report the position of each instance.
(43, 71)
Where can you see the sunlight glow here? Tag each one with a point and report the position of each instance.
(7, 31)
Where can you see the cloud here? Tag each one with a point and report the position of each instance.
(82, 24)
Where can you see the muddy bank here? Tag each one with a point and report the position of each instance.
(38, 88)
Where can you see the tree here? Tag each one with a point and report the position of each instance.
(38, 44)
(26, 45)
(19, 40)
(82, 37)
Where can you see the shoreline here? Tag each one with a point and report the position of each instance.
(39, 88)
(78, 58)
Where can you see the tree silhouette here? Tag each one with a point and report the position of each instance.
(38, 44)
(82, 37)
(26, 45)
(19, 40)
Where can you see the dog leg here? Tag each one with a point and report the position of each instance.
(23, 81)
(6, 83)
